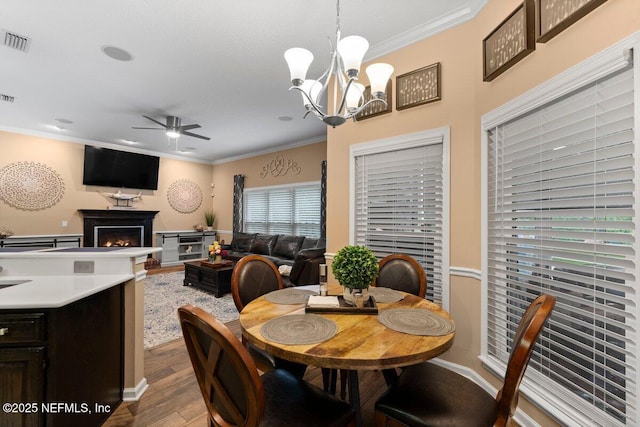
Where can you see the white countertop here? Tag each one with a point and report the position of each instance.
(55, 291)
(52, 277)
(76, 252)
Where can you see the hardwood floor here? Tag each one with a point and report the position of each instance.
(174, 399)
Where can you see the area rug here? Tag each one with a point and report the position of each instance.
(164, 293)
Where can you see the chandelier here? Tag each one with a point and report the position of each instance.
(348, 95)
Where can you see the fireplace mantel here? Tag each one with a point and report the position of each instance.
(115, 217)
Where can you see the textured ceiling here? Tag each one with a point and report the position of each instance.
(216, 63)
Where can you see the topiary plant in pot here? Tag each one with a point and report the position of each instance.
(355, 268)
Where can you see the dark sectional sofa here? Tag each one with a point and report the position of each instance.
(302, 254)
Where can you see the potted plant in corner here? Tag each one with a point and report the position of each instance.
(355, 268)
(209, 218)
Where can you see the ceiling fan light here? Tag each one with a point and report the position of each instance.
(299, 60)
(352, 50)
(173, 134)
(379, 75)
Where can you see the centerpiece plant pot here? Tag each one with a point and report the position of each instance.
(355, 268)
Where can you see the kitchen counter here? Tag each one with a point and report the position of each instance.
(54, 291)
(58, 278)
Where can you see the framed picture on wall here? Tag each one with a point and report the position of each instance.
(375, 108)
(555, 16)
(418, 87)
(511, 41)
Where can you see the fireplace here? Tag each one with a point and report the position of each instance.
(114, 227)
(118, 236)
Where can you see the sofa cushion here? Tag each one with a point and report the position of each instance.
(263, 244)
(242, 241)
(287, 246)
(313, 243)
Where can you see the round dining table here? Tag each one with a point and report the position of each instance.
(361, 342)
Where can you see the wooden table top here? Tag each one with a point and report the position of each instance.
(362, 343)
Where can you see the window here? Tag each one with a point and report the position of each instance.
(560, 219)
(400, 203)
(291, 209)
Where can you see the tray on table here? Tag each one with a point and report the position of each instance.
(224, 263)
(370, 307)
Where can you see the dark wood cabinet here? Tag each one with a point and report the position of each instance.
(22, 379)
(68, 360)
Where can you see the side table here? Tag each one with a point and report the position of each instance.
(216, 280)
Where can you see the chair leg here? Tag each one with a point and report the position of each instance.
(329, 380)
(344, 376)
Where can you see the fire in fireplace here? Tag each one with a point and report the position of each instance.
(118, 236)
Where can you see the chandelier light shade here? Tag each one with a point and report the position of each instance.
(344, 68)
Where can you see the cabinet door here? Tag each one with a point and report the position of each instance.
(22, 379)
(169, 249)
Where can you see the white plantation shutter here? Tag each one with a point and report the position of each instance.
(306, 217)
(399, 205)
(291, 209)
(561, 220)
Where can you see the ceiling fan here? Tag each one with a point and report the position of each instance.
(173, 128)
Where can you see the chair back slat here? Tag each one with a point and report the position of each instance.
(227, 376)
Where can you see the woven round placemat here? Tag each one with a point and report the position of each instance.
(299, 329)
(289, 296)
(385, 295)
(416, 322)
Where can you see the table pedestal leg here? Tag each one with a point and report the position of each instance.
(354, 396)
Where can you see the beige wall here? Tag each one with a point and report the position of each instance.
(307, 158)
(66, 158)
(465, 98)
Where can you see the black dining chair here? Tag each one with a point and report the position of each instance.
(403, 273)
(234, 392)
(254, 276)
(430, 395)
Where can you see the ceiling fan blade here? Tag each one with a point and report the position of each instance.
(134, 127)
(195, 136)
(155, 121)
(189, 127)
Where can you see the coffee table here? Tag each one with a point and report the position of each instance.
(216, 280)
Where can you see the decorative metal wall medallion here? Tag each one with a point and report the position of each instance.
(30, 186)
(280, 166)
(184, 195)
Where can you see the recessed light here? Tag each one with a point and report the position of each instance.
(56, 127)
(285, 118)
(129, 141)
(65, 121)
(117, 53)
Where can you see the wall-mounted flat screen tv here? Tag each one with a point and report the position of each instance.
(112, 168)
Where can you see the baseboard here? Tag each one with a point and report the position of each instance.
(134, 394)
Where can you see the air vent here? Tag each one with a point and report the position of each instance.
(6, 98)
(15, 41)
